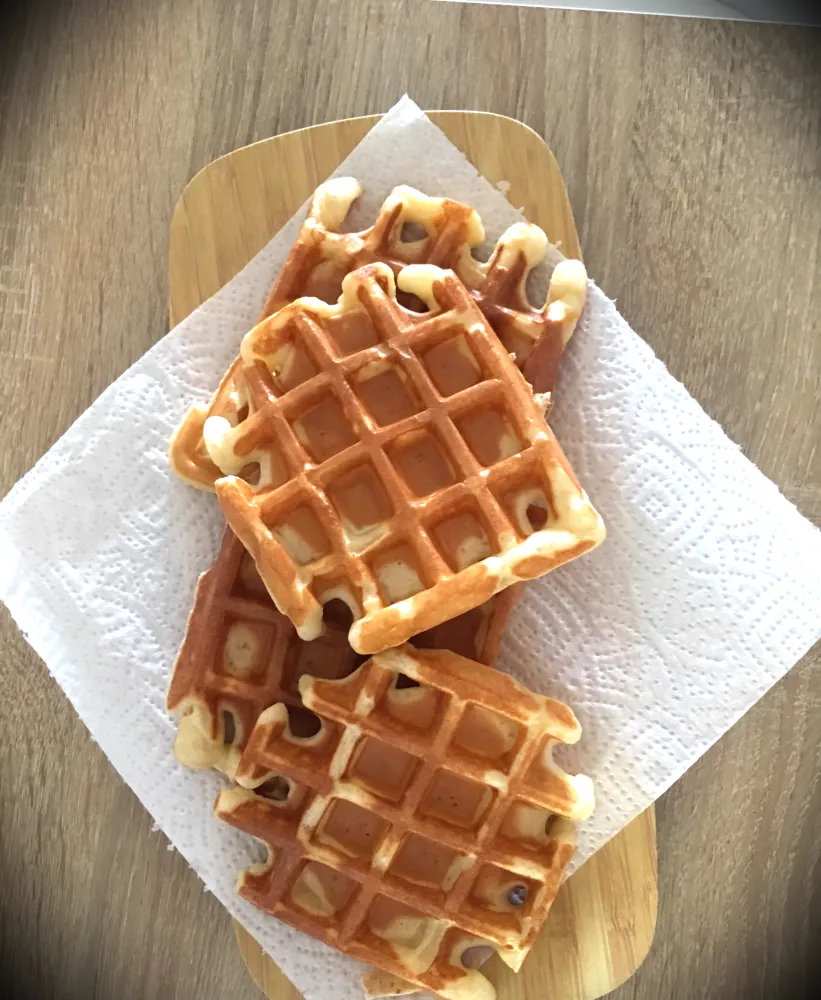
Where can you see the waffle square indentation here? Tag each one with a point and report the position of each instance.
(422, 463)
(323, 429)
(362, 504)
(504, 896)
(455, 800)
(386, 392)
(489, 434)
(427, 863)
(382, 769)
(351, 829)
(408, 703)
(322, 891)
(301, 535)
(490, 738)
(462, 539)
(291, 364)
(398, 572)
(352, 332)
(246, 648)
(452, 366)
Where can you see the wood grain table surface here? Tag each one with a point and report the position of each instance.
(692, 154)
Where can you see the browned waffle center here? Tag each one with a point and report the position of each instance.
(240, 655)
(425, 817)
(398, 459)
(410, 228)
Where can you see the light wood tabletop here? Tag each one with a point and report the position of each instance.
(692, 155)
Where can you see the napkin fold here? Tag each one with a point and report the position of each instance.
(706, 591)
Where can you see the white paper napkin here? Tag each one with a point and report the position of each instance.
(706, 591)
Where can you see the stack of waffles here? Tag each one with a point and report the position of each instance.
(380, 451)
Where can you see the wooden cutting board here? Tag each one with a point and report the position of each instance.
(602, 923)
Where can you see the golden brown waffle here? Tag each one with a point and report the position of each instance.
(421, 821)
(187, 453)
(443, 233)
(396, 460)
(240, 655)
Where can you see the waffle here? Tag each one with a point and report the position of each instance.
(240, 655)
(322, 256)
(396, 460)
(420, 822)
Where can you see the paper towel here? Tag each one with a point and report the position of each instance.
(706, 591)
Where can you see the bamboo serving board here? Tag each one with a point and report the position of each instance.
(602, 923)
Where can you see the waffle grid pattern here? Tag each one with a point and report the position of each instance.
(323, 772)
(322, 256)
(241, 655)
(232, 605)
(485, 429)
